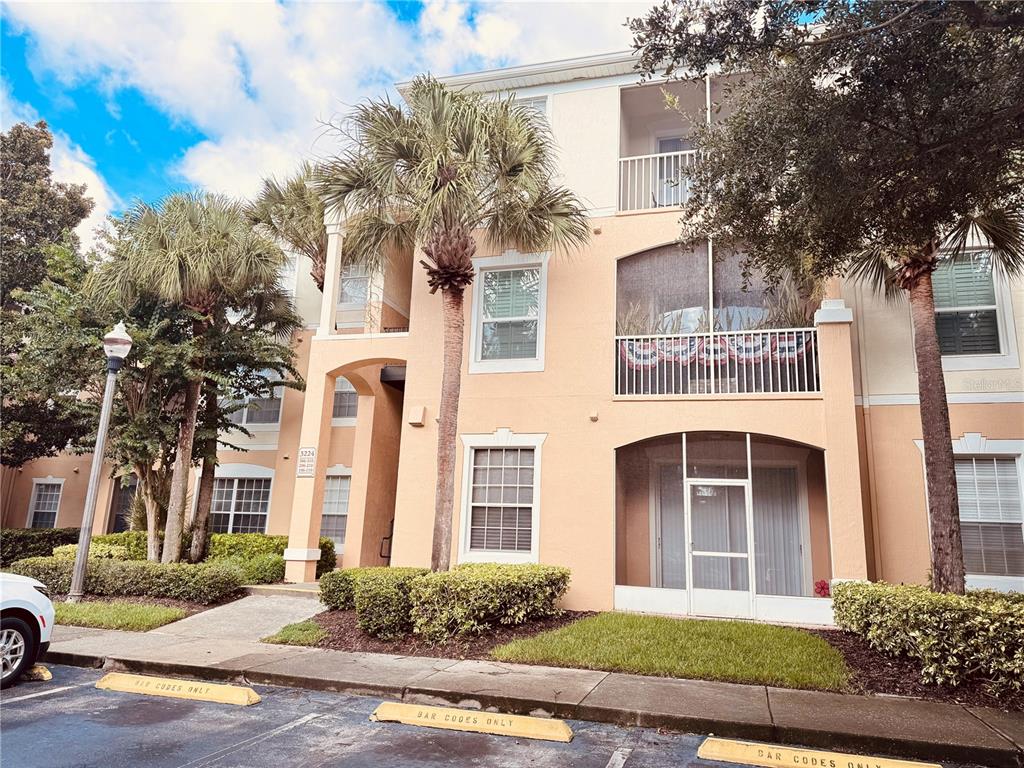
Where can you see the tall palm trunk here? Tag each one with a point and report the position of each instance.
(204, 499)
(447, 426)
(947, 554)
(179, 476)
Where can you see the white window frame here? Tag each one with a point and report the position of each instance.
(507, 261)
(266, 427)
(244, 472)
(1008, 355)
(344, 421)
(36, 482)
(347, 306)
(976, 444)
(288, 276)
(501, 438)
(339, 470)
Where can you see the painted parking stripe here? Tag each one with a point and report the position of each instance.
(619, 757)
(215, 756)
(756, 753)
(47, 692)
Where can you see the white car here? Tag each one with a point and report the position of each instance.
(26, 621)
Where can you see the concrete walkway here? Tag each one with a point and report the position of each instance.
(863, 724)
(251, 618)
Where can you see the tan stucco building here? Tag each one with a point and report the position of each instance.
(634, 411)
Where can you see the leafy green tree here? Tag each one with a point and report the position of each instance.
(36, 213)
(433, 175)
(198, 254)
(50, 365)
(291, 212)
(871, 139)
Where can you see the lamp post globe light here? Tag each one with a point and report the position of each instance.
(116, 345)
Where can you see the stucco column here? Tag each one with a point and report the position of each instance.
(842, 458)
(303, 550)
(332, 277)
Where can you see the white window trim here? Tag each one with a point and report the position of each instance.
(339, 470)
(292, 285)
(37, 481)
(509, 260)
(976, 444)
(1009, 357)
(270, 427)
(352, 306)
(500, 438)
(242, 472)
(342, 421)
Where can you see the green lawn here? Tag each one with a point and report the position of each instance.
(303, 633)
(135, 617)
(735, 651)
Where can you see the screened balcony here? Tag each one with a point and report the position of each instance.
(689, 323)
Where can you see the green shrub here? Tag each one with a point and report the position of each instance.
(97, 550)
(201, 583)
(337, 588)
(20, 543)
(246, 545)
(133, 541)
(474, 597)
(955, 637)
(262, 569)
(382, 601)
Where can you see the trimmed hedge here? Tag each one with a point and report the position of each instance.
(248, 545)
(133, 541)
(19, 543)
(262, 569)
(97, 550)
(337, 588)
(201, 583)
(382, 601)
(955, 637)
(474, 597)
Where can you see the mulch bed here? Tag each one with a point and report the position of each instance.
(877, 673)
(343, 634)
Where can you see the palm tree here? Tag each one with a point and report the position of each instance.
(197, 252)
(292, 213)
(1002, 231)
(435, 174)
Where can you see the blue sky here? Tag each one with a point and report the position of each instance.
(147, 98)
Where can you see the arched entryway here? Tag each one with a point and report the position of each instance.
(725, 524)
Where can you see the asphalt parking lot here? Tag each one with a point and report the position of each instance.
(67, 723)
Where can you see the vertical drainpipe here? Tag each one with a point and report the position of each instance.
(711, 261)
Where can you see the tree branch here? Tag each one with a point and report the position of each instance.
(855, 32)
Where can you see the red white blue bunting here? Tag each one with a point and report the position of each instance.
(715, 350)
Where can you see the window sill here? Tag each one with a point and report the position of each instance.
(504, 558)
(999, 583)
(979, 362)
(346, 422)
(276, 427)
(522, 365)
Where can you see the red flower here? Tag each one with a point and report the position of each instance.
(821, 588)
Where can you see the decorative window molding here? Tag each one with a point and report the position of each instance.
(509, 261)
(1001, 307)
(47, 493)
(500, 439)
(346, 403)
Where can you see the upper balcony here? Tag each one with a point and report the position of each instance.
(655, 149)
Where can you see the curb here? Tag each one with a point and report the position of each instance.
(832, 739)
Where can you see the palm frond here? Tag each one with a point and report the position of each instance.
(873, 267)
(999, 231)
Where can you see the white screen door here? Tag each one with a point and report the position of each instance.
(671, 530)
(719, 522)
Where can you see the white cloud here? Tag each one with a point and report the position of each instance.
(259, 79)
(70, 164)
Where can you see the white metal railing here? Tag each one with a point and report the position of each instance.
(728, 362)
(654, 181)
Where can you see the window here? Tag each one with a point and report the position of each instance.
(240, 505)
(966, 312)
(335, 514)
(509, 314)
(991, 515)
(538, 103)
(122, 502)
(346, 400)
(260, 410)
(288, 274)
(501, 500)
(44, 505)
(355, 284)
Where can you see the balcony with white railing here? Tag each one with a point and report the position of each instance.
(724, 363)
(649, 182)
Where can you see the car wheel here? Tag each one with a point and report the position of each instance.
(17, 649)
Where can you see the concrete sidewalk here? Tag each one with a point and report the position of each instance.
(863, 724)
